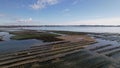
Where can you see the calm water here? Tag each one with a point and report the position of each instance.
(14, 45)
(5, 36)
(17, 45)
(80, 29)
(9, 45)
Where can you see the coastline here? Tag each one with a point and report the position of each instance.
(30, 41)
(73, 45)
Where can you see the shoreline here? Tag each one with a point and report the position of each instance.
(75, 36)
(74, 45)
(64, 37)
(55, 33)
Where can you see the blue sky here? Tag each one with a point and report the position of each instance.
(59, 12)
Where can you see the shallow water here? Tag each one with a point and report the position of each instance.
(16, 45)
(8, 45)
(79, 29)
(111, 39)
(102, 42)
(5, 36)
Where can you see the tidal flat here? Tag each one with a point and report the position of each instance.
(65, 49)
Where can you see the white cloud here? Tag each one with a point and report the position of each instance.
(40, 4)
(102, 21)
(24, 20)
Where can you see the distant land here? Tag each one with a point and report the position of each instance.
(13, 26)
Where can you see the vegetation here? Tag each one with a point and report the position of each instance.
(70, 32)
(64, 55)
(46, 37)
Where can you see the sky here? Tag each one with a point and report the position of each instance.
(59, 12)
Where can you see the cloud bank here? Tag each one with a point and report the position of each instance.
(99, 21)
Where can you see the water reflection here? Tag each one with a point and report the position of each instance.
(106, 50)
(5, 36)
(14, 45)
(8, 45)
